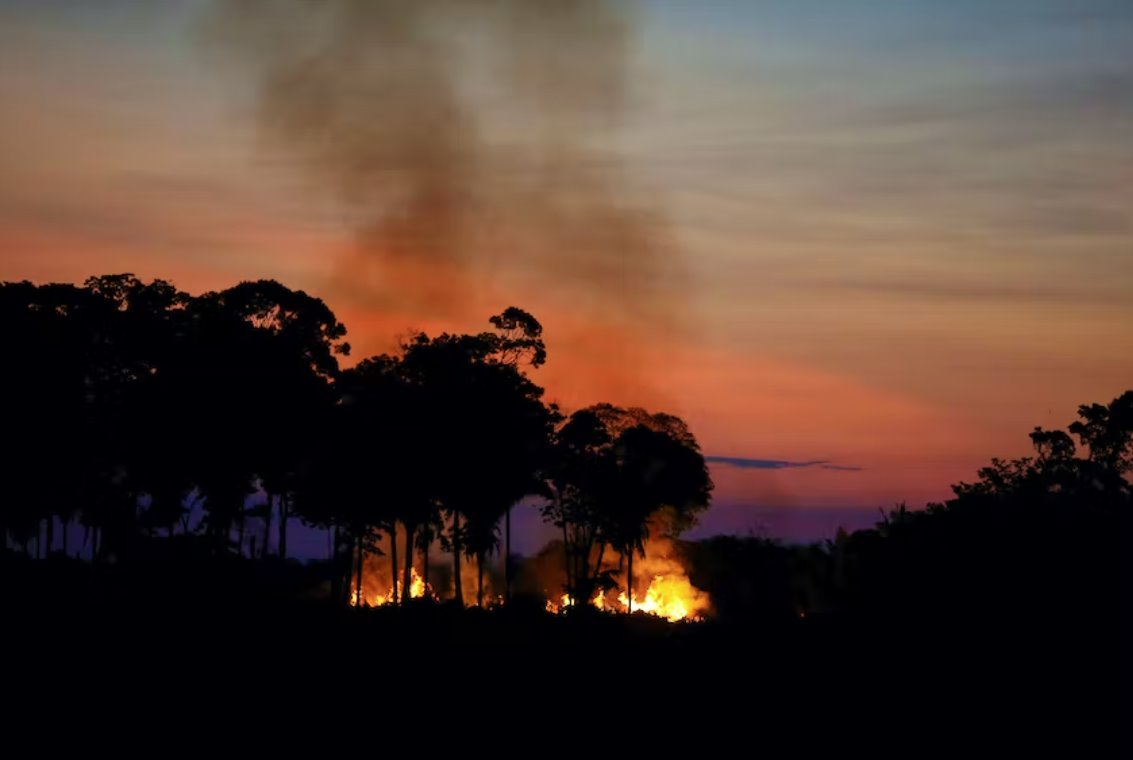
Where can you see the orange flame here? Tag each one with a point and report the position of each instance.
(671, 597)
(417, 590)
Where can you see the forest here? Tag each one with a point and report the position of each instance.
(157, 446)
(132, 403)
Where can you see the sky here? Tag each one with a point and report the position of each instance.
(861, 248)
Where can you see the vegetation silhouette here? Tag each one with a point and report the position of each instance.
(181, 435)
(133, 403)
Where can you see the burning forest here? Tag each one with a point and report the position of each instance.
(662, 587)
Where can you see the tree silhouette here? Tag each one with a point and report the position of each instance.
(519, 340)
(1028, 535)
(1107, 431)
(654, 471)
(615, 472)
(580, 477)
(487, 426)
(42, 394)
(85, 354)
(294, 344)
(384, 409)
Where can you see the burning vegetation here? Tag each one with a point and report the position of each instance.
(662, 588)
(673, 598)
(374, 596)
(620, 485)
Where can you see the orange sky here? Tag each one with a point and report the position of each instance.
(889, 260)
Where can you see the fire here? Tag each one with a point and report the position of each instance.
(417, 590)
(565, 602)
(671, 597)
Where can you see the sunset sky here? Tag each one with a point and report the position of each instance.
(860, 247)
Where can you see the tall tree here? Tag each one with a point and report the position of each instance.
(486, 424)
(294, 343)
(656, 475)
(617, 472)
(580, 479)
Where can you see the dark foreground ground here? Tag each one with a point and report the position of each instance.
(269, 666)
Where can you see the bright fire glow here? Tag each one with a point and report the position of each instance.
(417, 590)
(671, 597)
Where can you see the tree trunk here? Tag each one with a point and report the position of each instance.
(358, 588)
(570, 579)
(335, 566)
(598, 564)
(480, 579)
(629, 584)
(394, 595)
(425, 564)
(283, 526)
(458, 588)
(267, 529)
(507, 555)
(406, 578)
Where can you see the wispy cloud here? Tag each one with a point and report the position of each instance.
(746, 463)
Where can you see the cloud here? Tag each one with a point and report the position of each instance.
(745, 463)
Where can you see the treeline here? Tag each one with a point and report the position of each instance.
(1041, 540)
(128, 407)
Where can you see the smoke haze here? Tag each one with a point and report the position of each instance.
(465, 140)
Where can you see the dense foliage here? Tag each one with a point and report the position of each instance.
(148, 415)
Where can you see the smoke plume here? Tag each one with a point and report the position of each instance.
(466, 140)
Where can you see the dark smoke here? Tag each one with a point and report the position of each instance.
(466, 137)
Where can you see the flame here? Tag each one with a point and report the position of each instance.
(671, 597)
(565, 602)
(668, 597)
(417, 590)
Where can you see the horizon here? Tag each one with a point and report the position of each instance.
(860, 251)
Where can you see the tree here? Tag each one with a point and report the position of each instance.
(81, 356)
(655, 471)
(1035, 536)
(386, 408)
(617, 472)
(487, 426)
(580, 480)
(511, 430)
(44, 405)
(293, 343)
(1107, 431)
(518, 338)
